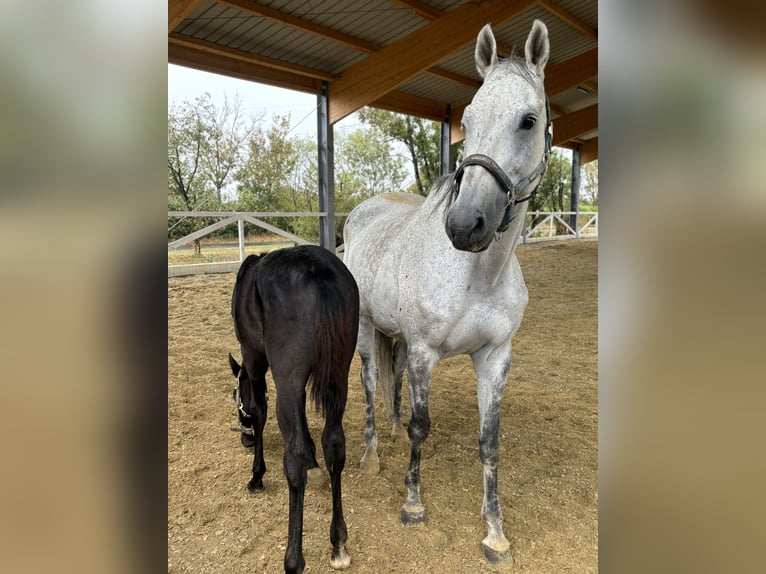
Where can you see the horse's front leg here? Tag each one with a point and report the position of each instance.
(491, 373)
(419, 368)
(369, 373)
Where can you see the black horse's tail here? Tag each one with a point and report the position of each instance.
(335, 330)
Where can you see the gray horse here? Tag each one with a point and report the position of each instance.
(439, 277)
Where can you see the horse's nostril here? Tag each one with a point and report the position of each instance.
(479, 225)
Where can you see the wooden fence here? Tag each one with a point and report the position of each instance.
(541, 226)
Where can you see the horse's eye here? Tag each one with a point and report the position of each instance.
(528, 123)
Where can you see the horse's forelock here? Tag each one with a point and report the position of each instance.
(519, 66)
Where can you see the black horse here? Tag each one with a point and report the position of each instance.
(296, 310)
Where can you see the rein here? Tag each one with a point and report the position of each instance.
(512, 190)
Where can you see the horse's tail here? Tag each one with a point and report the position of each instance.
(335, 330)
(384, 357)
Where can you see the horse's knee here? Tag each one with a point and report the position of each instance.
(489, 446)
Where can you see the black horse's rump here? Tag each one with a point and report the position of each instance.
(296, 311)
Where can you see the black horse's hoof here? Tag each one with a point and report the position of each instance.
(414, 515)
(247, 440)
(497, 555)
(255, 486)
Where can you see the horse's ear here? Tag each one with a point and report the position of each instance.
(486, 51)
(537, 48)
(234, 365)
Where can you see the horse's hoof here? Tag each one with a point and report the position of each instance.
(413, 515)
(399, 433)
(247, 440)
(255, 486)
(340, 560)
(501, 553)
(370, 464)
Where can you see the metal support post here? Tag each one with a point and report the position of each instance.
(325, 147)
(444, 152)
(575, 196)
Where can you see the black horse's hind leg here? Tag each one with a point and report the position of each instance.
(298, 458)
(334, 447)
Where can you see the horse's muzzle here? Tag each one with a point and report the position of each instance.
(468, 233)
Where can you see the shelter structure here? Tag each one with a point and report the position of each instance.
(409, 56)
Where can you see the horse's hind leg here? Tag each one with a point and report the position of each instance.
(334, 447)
(369, 374)
(298, 458)
(491, 374)
(398, 432)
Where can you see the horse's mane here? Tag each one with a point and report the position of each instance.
(440, 194)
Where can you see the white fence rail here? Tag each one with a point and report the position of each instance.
(552, 225)
(540, 226)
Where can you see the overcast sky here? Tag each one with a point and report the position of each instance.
(187, 83)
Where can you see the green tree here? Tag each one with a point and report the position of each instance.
(226, 136)
(365, 166)
(556, 188)
(188, 188)
(420, 137)
(264, 182)
(589, 183)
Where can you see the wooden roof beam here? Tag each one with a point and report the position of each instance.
(178, 10)
(568, 17)
(570, 73)
(256, 9)
(421, 9)
(574, 124)
(366, 81)
(412, 105)
(211, 48)
(217, 63)
(589, 151)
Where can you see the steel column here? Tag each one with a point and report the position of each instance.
(445, 165)
(575, 195)
(325, 148)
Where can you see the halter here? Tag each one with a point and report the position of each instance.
(512, 190)
(241, 407)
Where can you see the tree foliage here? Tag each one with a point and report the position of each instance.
(555, 190)
(589, 183)
(420, 137)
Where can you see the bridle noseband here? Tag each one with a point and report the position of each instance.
(512, 190)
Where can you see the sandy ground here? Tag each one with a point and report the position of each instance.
(548, 466)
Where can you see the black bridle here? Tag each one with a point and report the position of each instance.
(241, 408)
(512, 190)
